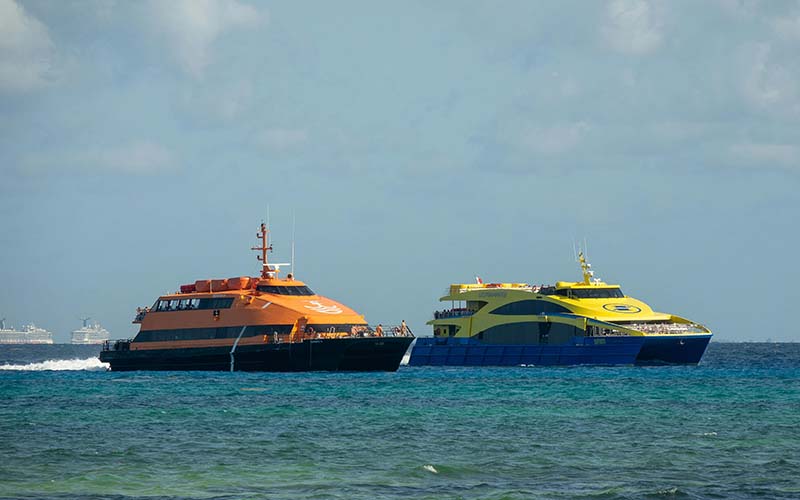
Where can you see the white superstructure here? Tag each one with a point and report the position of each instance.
(29, 334)
(90, 334)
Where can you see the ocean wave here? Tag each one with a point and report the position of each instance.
(92, 364)
(669, 492)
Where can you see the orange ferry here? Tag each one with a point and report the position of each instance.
(265, 323)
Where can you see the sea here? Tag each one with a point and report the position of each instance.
(727, 428)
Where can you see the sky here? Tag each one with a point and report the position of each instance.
(414, 144)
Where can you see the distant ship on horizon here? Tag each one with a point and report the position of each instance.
(29, 334)
(90, 334)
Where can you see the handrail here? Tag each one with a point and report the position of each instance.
(456, 312)
(667, 328)
(117, 345)
(359, 331)
(365, 331)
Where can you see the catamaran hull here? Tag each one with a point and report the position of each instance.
(672, 349)
(432, 351)
(350, 354)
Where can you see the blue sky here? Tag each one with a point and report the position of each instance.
(417, 144)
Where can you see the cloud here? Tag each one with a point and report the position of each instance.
(277, 139)
(553, 140)
(763, 155)
(743, 9)
(26, 51)
(141, 158)
(633, 26)
(192, 26)
(135, 158)
(770, 83)
(787, 27)
(211, 102)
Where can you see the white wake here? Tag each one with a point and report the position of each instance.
(59, 365)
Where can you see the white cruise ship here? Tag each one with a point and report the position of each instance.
(29, 334)
(90, 334)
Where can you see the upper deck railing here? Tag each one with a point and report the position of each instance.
(456, 312)
(667, 328)
(471, 287)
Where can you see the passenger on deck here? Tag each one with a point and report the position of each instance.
(379, 330)
(403, 328)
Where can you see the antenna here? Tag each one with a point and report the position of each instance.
(586, 269)
(294, 270)
(267, 216)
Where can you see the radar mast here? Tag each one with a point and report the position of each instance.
(264, 248)
(586, 269)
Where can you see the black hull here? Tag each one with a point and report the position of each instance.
(350, 354)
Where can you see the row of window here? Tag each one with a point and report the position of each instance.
(285, 290)
(584, 293)
(597, 293)
(223, 332)
(191, 304)
(527, 307)
(530, 333)
(523, 307)
(232, 332)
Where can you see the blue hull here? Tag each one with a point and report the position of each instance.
(673, 350)
(431, 351)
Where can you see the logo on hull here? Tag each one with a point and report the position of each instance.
(621, 308)
(322, 308)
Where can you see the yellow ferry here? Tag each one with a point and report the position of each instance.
(565, 323)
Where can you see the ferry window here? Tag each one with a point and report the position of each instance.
(529, 307)
(215, 303)
(597, 293)
(475, 305)
(530, 332)
(211, 333)
(163, 305)
(285, 290)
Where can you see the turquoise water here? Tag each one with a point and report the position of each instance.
(729, 428)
